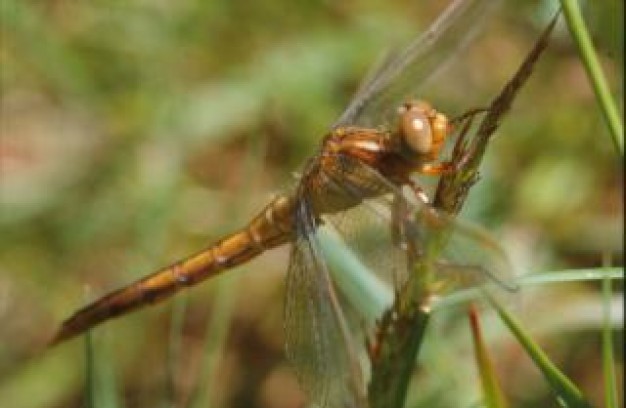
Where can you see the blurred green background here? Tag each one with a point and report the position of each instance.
(134, 133)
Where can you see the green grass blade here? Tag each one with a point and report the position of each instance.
(535, 279)
(579, 32)
(100, 382)
(608, 365)
(492, 391)
(90, 394)
(174, 346)
(215, 340)
(567, 393)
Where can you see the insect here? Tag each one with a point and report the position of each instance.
(365, 160)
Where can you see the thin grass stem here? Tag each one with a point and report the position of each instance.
(536, 279)
(581, 37)
(566, 391)
(215, 340)
(608, 362)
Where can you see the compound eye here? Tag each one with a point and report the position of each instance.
(416, 130)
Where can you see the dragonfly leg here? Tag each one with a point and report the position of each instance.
(469, 115)
(419, 192)
(461, 146)
(461, 143)
(436, 169)
(402, 235)
(450, 166)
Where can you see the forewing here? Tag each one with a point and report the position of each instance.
(401, 74)
(390, 233)
(318, 343)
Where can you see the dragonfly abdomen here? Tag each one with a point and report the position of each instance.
(270, 228)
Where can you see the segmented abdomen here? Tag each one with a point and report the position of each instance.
(270, 228)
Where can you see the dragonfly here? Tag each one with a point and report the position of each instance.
(365, 163)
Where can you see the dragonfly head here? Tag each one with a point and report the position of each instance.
(422, 130)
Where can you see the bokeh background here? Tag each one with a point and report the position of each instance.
(134, 133)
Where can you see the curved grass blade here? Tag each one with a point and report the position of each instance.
(566, 391)
(537, 279)
(581, 37)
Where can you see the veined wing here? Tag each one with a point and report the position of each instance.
(402, 73)
(393, 233)
(318, 343)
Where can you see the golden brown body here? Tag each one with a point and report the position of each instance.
(323, 186)
(270, 228)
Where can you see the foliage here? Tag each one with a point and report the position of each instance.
(134, 133)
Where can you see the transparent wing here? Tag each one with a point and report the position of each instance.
(391, 232)
(402, 73)
(370, 229)
(318, 343)
(461, 255)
